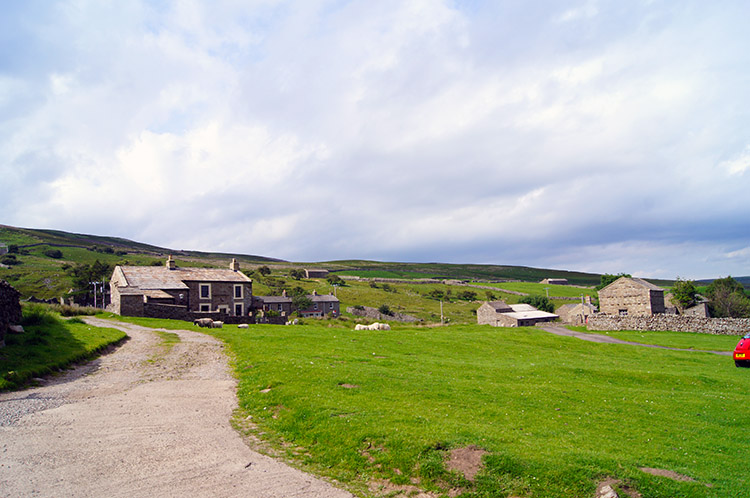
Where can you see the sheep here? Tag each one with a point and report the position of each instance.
(216, 325)
(203, 322)
(243, 326)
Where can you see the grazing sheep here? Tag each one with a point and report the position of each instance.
(203, 322)
(243, 326)
(359, 326)
(373, 326)
(217, 325)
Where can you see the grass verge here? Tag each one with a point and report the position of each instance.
(556, 414)
(48, 344)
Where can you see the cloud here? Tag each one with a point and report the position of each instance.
(583, 135)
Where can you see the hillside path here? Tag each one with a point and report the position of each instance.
(588, 336)
(140, 422)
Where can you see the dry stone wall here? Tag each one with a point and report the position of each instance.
(676, 323)
(10, 309)
(374, 314)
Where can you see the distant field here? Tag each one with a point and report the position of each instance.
(556, 414)
(386, 274)
(541, 289)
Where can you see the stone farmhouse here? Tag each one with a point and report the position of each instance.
(280, 304)
(500, 314)
(321, 305)
(182, 293)
(631, 297)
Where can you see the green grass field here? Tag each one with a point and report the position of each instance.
(542, 289)
(48, 344)
(556, 414)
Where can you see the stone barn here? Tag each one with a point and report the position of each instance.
(500, 314)
(631, 297)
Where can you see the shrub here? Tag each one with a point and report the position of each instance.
(10, 260)
(541, 303)
(385, 310)
(75, 319)
(53, 253)
(37, 314)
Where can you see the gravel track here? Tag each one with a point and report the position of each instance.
(140, 421)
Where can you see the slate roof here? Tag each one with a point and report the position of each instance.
(500, 306)
(639, 281)
(527, 311)
(160, 277)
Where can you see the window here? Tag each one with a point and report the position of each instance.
(205, 291)
(238, 291)
(281, 306)
(205, 307)
(238, 309)
(315, 306)
(330, 306)
(623, 312)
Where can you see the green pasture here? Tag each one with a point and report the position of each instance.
(386, 274)
(555, 414)
(542, 289)
(49, 343)
(688, 340)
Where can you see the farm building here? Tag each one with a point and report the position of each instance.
(500, 314)
(555, 281)
(316, 273)
(322, 304)
(172, 291)
(280, 304)
(575, 313)
(631, 297)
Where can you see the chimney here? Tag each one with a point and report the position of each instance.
(588, 299)
(171, 265)
(315, 293)
(283, 293)
(234, 265)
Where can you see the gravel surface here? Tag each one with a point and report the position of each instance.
(140, 422)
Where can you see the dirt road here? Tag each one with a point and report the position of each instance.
(139, 422)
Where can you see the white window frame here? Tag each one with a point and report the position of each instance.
(242, 291)
(200, 291)
(242, 309)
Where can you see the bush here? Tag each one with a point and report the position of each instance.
(10, 260)
(67, 310)
(542, 303)
(385, 310)
(53, 253)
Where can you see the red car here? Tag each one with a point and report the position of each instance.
(742, 352)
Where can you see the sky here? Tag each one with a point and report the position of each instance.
(599, 136)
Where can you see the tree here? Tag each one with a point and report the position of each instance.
(297, 274)
(608, 279)
(727, 298)
(84, 274)
(683, 293)
(13, 249)
(542, 303)
(264, 270)
(335, 280)
(300, 300)
(467, 295)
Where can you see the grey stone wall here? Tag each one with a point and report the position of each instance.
(676, 323)
(10, 309)
(176, 312)
(374, 314)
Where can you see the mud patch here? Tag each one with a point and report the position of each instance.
(667, 473)
(385, 488)
(467, 460)
(606, 489)
(349, 386)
